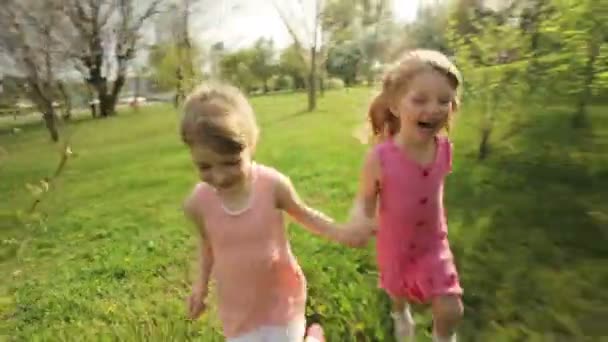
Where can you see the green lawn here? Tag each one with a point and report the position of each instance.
(110, 254)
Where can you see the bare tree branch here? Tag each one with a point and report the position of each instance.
(32, 41)
(107, 33)
(298, 42)
(310, 48)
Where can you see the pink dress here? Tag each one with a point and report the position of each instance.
(413, 254)
(259, 282)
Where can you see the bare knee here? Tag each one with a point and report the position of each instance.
(448, 310)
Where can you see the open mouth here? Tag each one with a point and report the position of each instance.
(427, 124)
(226, 185)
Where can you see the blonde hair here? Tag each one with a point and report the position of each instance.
(382, 120)
(218, 115)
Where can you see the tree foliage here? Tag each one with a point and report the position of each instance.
(528, 54)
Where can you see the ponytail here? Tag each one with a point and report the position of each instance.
(383, 122)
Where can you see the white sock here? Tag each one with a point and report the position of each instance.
(407, 313)
(404, 324)
(437, 338)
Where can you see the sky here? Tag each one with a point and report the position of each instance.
(258, 18)
(239, 23)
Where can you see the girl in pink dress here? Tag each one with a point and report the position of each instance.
(404, 173)
(238, 209)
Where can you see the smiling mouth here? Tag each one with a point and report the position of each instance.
(427, 124)
(225, 185)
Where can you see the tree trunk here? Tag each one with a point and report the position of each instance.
(533, 74)
(484, 144)
(38, 95)
(136, 93)
(117, 87)
(50, 122)
(67, 102)
(104, 105)
(580, 117)
(108, 100)
(369, 77)
(91, 102)
(322, 85)
(93, 108)
(101, 88)
(489, 105)
(179, 87)
(312, 84)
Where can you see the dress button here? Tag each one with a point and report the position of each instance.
(419, 223)
(423, 200)
(425, 173)
(451, 280)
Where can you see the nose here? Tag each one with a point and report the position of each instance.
(434, 108)
(213, 177)
(219, 177)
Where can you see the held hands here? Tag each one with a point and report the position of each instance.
(196, 303)
(357, 232)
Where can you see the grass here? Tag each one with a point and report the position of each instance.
(109, 255)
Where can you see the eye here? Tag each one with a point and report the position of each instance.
(419, 100)
(204, 167)
(235, 162)
(445, 101)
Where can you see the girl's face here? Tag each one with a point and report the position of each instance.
(224, 172)
(426, 105)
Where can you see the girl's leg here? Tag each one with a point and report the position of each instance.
(447, 313)
(403, 321)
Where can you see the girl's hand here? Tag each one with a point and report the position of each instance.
(357, 232)
(196, 303)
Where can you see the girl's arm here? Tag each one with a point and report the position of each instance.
(364, 206)
(205, 255)
(315, 221)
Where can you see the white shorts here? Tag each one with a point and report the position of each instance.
(292, 332)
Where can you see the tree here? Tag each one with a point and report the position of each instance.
(582, 28)
(33, 37)
(292, 64)
(344, 61)
(164, 59)
(365, 26)
(262, 64)
(565, 36)
(493, 68)
(185, 52)
(377, 35)
(428, 29)
(107, 36)
(235, 67)
(67, 101)
(307, 35)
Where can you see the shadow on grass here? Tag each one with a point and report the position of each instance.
(281, 119)
(531, 263)
(83, 117)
